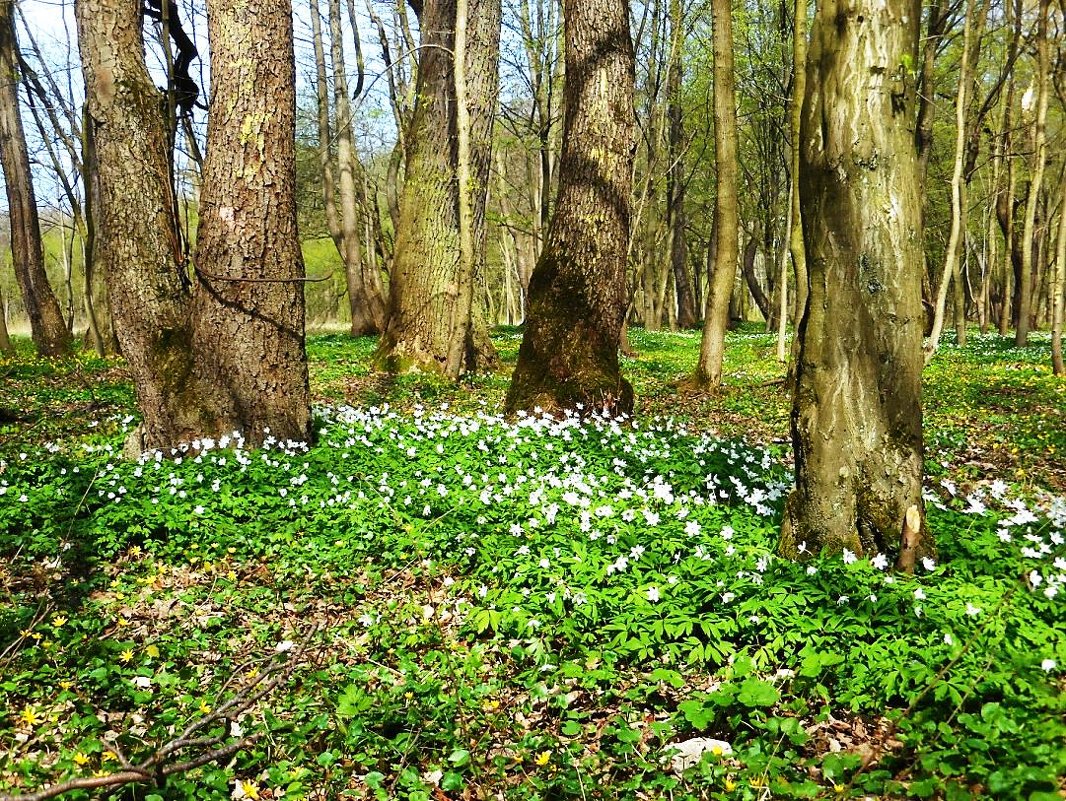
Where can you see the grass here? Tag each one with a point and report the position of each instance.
(436, 603)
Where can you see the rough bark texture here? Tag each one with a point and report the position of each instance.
(726, 217)
(50, 334)
(250, 333)
(431, 306)
(795, 241)
(1057, 291)
(857, 415)
(675, 177)
(577, 295)
(135, 241)
(230, 358)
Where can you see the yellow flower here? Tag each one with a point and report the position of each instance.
(250, 790)
(839, 788)
(109, 756)
(126, 656)
(81, 759)
(59, 620)
(29, 717)
(204, 707)
(152, 651)
(543, 758)
(65, 685)
(123, 621)
(730, 785)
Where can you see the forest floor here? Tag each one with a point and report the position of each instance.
(435, 603)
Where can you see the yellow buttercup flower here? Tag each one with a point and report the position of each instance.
(543, 758)
(29, 717)
(59, 620)
(126, 656)
(152, 651)
(81, 759)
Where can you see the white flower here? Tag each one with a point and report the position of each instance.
(948, 639)
(849, 557)
(919, 594)
(652, 594)
(235, 729)
(972, 611)
(1035, 578)
(692, 528)
(727, 533)
(928, 564)
(880, 561)
(143, 682)
(544, 564)
(1047, 665)
(283, 646)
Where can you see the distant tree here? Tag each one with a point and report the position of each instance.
(577, 294)
(222, 349)
(857, 415)
(50, 333)
(432, 319)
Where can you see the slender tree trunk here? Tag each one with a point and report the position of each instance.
(795, 242)
(367, 307)
(1057, 291)
(951, 275)
(675, 179)
(857, 415)
(50, 333)
(6, 348)
(782, 284)
(577, 296)
(1025, 279)
(91, 189)
(712, 349)
(431, 310)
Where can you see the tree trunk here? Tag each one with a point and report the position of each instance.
(577, 295)
(857, 415)
(6, 348)
(1025, 278)
(712, 349)
(1057, 291)
(249, 309)
(675, 178)
(227, 355)
(951, 274)
(751, 250)
(795, 242)
(431, 309)
(50, 333)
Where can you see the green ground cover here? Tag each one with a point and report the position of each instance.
(432, 602)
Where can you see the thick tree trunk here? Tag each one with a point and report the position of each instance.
(577, 296)
(228, 355)
(136, 241)
(712, 349)
(249, 309)
(50, 333)
(431, 309)
(857, 415)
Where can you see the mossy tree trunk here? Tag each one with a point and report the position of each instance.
(577, 295)
(857, 414)
(49, 331)
(211, 358)
(431, 320)
(726, 215)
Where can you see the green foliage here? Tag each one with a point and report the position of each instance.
(534, 608)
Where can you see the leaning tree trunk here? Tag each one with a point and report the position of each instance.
(577, 295)
(135, 240)
(726, 219)
(50, 333)
(431, 325)
(857, 414)
(249, 308)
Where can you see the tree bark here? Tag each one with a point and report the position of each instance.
(675, 178)
(1057, 290)
(6, 347)
(795, 242)
(716, 322)
(226, 354)
(857, 415)
(431, 309)
(50, 334)
(1041, 79)
(577, 295)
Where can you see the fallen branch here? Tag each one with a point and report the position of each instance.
(156, 768)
